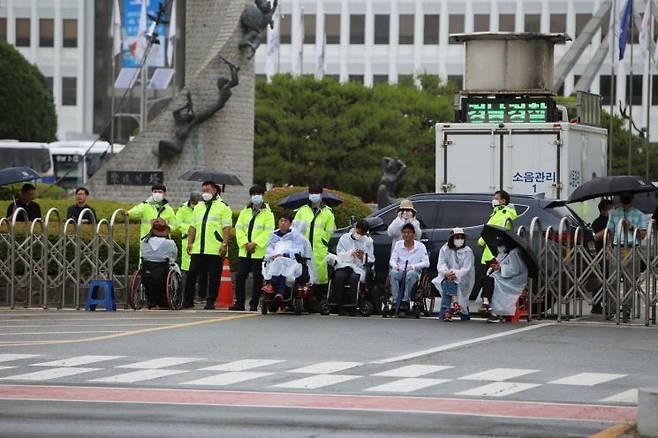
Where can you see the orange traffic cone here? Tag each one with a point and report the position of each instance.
(225, 293)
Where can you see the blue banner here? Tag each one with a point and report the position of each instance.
(623, 29)
(129, 51)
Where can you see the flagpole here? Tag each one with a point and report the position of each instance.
(611, 32)
(649, 91)
(630, 98)
(114, 61)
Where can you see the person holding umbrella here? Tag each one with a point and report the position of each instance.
(184, 216)
(26, 201)
(510, 277)
(631, 219)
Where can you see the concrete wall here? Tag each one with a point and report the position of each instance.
(225, 142)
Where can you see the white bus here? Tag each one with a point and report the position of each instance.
(34, 155)
(74, 162)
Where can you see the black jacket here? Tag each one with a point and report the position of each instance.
(33, 210)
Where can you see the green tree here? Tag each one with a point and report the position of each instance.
(336, 134)
(26, 103)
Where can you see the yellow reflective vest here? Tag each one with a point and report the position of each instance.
(147, 212)
(502, 216)
(320, 226)
(255, 228)
(209, 220)
(184, 216)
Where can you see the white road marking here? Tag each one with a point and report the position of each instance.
(499, 374)
(75, 361)
(498, 389)
(10, 357)
(228, 378)
(459, 344)
(315, 382)
(413, 370)
(6, 368)
(50, 374)
(138, 376)
(629, 396)
(407, 385)
(50, 333)
(587, 379)
(161, 362)
(242, 365)
(326, 367)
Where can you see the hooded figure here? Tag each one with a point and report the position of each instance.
(510, 279)
(285, 246)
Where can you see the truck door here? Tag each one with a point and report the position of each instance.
(469, 161)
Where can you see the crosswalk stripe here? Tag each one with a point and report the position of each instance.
(498, 389)
(326, 367)
(407, 385)
(138, 376)
(498, 374)
(6, 367)
(629, 396)
(10, 357)
(53, 373)
(242, 365)
(587, 379)
(413, 371)
(75, 361)
(315, 382)
(228, 378)
(161, 362)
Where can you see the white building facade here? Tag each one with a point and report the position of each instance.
(375, 41)
(58, 36)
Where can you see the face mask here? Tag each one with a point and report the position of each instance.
(314, 197)
(458, 242)
(495, 203)
(502, 249)
(158, 197)
(206, 196)
(257, 199)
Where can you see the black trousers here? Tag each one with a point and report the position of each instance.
(154, 278)
(487, 283)
(211, 266)
(343, 277)
(245, 267)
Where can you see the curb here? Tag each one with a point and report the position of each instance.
(615, 431)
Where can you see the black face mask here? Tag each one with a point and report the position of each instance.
(626, 200)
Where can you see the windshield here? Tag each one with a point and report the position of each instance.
(37, 159)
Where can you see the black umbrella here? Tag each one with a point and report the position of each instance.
(298, 199)
(491, 233)
(610, 185)
(12, 175)
(221, 178)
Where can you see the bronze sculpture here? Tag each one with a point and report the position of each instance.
(255, 19)
(393, 170)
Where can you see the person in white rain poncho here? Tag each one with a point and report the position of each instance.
(406, 215)
(280, 265)
(456, 276)
(510, 275)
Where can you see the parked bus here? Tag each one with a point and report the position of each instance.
(74, 163)
(34, 155)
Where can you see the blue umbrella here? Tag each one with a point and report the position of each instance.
(12, 175)
(298, 199)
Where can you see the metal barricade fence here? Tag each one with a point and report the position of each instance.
(49, 262)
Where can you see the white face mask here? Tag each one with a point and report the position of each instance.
(495, 203)
(502, 249)
(314, 197)
(206, 196)
(458, 243)
(157, 197)
(257, 199)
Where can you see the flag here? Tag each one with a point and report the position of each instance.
(116, 29)
(645, 29)
(319, 72)
(298, 64)
(171, 38)
(623, 28)
(142, 41)
(273, 41)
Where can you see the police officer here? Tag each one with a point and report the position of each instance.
(502, 215)
(252, 231)
(207, 242)
(156, 206)
(184, 219)
(320, 226)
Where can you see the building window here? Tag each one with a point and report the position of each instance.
(284, 29)
(356, 78)
(581, 22)
(381, 29)
(70, 33)
(455, 25)
(458, 80)
(22, 32)
(558, 24)
(69, 91)
(3, 29)
(309, 29)
(533, 23)
(654, 90)
(406, 35)
(506, 22)
(46, 32)
(431, 29)
(637, 89)
(481, 23)
(357, 29)
(604, 87)
(332, 28)
(379, 79)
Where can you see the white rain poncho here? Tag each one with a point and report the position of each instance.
(509, 282)
(462, 262)
(394, 230)
(347, 244)
(288, 245)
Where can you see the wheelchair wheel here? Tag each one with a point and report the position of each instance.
(324, 307)
(425, 295)
(416, 310)
(298, 306)
(366, 308)
(174, 290)
(263, 307)
(137, 291)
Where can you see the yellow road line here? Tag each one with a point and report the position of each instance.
(127, 333)
(615, 431)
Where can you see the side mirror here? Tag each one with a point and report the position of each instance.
(375, 223)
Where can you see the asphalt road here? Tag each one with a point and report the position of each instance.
(160, 373)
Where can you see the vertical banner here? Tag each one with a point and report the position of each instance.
(131, 42)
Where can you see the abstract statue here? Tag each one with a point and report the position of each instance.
(393, 170)
(186, 119)
(255, 18)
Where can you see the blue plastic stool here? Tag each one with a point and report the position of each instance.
(108, 295)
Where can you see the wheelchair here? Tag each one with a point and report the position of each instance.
(298, 294)
(422, 299)
(361, 295)
(153, 280)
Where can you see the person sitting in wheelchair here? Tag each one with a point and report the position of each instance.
(285, 253)
(158, 256)
(408, 259)
(355, 249)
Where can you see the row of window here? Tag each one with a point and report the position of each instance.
(357, 25)
(46, 32)
(69, 90)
